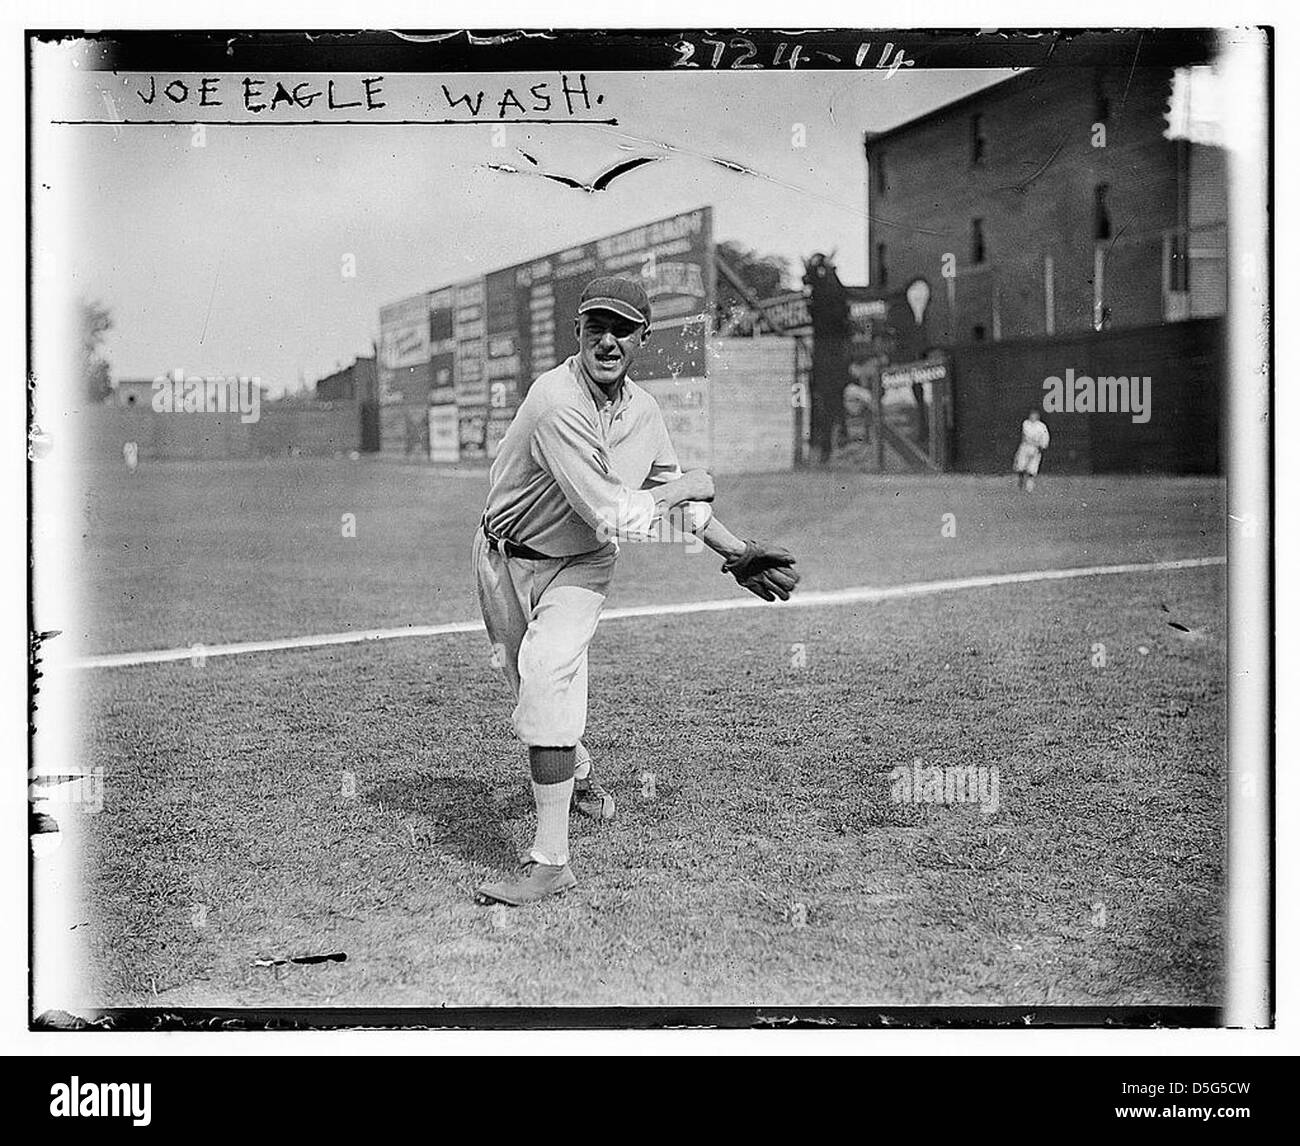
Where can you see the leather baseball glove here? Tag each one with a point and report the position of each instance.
(765, 570)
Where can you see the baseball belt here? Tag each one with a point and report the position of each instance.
(500, 544)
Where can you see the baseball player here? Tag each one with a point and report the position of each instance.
(1034, 439)
(586, 462)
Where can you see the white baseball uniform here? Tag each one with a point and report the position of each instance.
(575, 472)
(1034, 439)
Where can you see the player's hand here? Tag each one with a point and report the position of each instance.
(693, 485)
(767, 571)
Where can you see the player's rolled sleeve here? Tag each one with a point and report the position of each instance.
(664, 467)
(566, 445)
(694, 515)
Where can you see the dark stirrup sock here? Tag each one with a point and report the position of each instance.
(552, 770)
(551, 765)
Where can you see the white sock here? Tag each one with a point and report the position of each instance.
(551, 843)
(581, 762)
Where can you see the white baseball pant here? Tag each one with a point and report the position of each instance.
(540, 618)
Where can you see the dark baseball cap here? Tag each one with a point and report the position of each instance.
(625, 297)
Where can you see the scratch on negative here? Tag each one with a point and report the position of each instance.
(600, 183)
(1046, 164)
(439, 37)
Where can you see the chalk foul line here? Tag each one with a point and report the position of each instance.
(862, 594)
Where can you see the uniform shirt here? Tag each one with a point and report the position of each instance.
(1034, 433)
(575, 468)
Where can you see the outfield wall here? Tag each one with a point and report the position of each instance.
(739, 419)
(404, 429)
(996, 383)
(315, 431)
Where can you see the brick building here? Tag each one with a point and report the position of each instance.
(353, 383)
(1051, 203)
(1066, 219)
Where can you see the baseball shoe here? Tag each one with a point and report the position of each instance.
(591, 799)
(536, 881)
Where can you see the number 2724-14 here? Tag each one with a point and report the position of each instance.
(785, 54)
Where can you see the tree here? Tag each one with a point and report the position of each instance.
(94, 322)
(764, 275)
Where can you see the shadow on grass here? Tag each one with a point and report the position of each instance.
(460, 815)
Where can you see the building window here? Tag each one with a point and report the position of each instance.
(977, 248)
(1101, 211)
(882, 270)
(1100, 102)
(881, 178)
(978, 144)
(1178, 276)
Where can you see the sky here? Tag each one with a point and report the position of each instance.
(229, 258)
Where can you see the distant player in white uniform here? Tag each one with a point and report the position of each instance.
(1034, 439)
(587, 461)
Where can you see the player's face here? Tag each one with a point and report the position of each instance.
(607, 344)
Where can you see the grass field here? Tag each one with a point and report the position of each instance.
(350, 798)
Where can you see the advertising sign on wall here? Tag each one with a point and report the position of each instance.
(480, 344)
(444, 434)
(404, 346)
